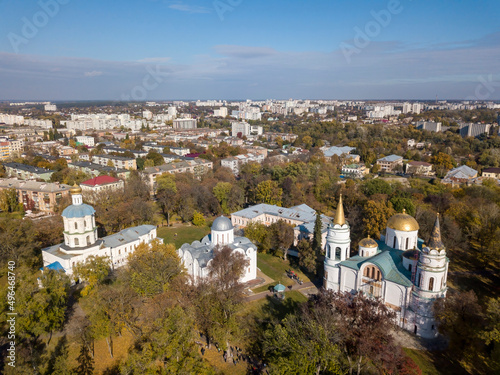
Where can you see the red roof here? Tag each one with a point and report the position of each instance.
(100, 180)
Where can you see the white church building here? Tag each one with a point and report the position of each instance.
(197, 256)
(406, 274)
(81, 240)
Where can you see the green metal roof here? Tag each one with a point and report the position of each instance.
(279, 288)
(389, 261)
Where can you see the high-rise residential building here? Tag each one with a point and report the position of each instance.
(185, 123)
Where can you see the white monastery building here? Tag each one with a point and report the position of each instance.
(405, 273)
(81, 240)
(197, 256)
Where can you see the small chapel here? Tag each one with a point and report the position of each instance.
(197, 256)
(81, 240)
(400, 269)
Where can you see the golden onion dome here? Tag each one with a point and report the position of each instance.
(403, 222)
(368, 242)
(75, 189)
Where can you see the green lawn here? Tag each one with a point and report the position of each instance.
(185, 233)
(275, 268)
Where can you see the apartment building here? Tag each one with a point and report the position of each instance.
(37, 196)
(115, 161)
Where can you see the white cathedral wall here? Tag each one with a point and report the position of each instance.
(394, 294)
(348, 280)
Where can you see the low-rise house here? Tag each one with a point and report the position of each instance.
(37, 196)
(390, 163)
(460, 175)
(328, 152)
(27, 172)
(355, 170)
(102, 183)
(491, 173)
(419, 168)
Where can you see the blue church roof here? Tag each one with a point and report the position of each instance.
(78, 211)
(56, 266)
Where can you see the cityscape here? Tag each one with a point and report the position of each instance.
(236, 187)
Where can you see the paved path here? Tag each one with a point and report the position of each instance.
(306, 289)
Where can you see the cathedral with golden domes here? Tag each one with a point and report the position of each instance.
(400, 269)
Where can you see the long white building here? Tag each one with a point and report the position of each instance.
(81, 240)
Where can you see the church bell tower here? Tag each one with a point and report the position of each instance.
(338, 245)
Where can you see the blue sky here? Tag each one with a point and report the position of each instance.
(239, 49)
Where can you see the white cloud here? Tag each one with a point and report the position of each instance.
(189, 8)
(93, 73)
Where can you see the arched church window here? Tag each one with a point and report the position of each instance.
(419, 279)
(329, 249)
(367, 271)
(378, 275)
(407, 243)
(371, 289)
(431, 284)
(76, 241)
(85, 224)
(88, 240)
(76, 225)
(337, 252)
(394, 243)
(373, 273)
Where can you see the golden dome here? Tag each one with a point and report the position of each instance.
(75, 189)
(368, 242)
(403, 222)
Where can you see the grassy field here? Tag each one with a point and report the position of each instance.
(275, 268)
(179, 234)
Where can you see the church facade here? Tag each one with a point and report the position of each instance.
(197, 256)
(81, 240)
(406, 274)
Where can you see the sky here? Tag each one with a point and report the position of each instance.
(249, 49)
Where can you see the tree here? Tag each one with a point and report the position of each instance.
(166, 194)
(168, 348)
(198, 219)
(363, 327)
(155, 157)
(399, 204)
(459, 317)
(218, 297)
(269, 192)
(221, 192)
(260, 234)
(317, 244)
(8, 200)
(85, 360)
(93, 271)
(376, 186)
(442, 163)
(151, 267)
(282, 236)
(307, 256)
(375, 214)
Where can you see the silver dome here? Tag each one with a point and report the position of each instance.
(222, 223)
